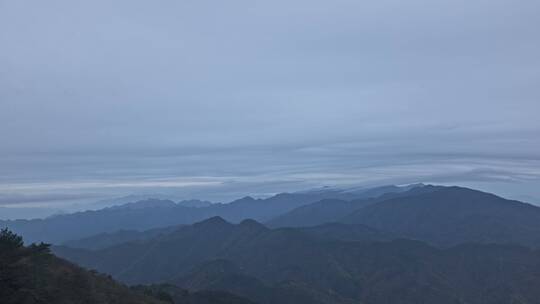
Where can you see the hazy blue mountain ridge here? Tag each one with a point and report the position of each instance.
(151, 214)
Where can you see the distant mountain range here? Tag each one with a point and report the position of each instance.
(413, 244)
(161, 203)
(154, 213)
(119, 201)
(104, 240)
(442, 216)
(333, 210)
(454, 215)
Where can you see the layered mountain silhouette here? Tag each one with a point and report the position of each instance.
(311, 265)
(442, 216)
(453, 215)
(104, 240)
(333, 210)
(415, 244)
(153, 213)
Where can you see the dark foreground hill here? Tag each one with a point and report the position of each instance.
(33, 275)
(309, 266)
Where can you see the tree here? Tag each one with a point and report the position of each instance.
(10, 240)
(41, 248)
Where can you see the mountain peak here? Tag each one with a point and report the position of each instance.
(147, 203)
(252, 225)
(244, 200)
(194, 203)
(456, 191)
(216, 221)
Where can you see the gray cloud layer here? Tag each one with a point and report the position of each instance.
(290, 94)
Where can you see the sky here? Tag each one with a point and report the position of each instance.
(221, 99)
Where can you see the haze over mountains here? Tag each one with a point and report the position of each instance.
(440, 215)
(149, 214)
(411, 244)
(155, 152)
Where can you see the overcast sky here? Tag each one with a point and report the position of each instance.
(218, 99)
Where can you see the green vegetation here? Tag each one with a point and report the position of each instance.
(31, 274)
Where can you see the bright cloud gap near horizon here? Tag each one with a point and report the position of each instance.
(198, 99)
